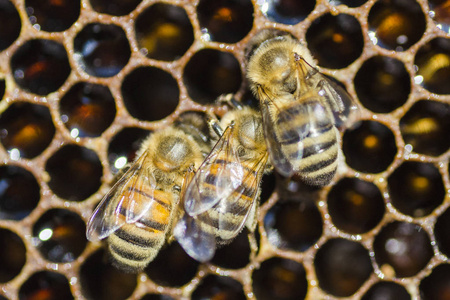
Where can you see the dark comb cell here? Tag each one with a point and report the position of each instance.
(102, 50)
(436, 286)
(349, 3)
(45, 285)
(440, 12)
(26, 129)
(114, 7)
(234, 255)
(19, 193)
(87, 109)
(40, 66)
(12, 255)
(442, 232)
(287, 11)
(217, 287)
(51, 15)
(10, 24)
(164, 32)
(386, 290)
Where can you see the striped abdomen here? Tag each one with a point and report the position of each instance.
(313, 154)
(231, 213)
(134, 245)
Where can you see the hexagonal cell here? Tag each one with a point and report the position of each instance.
(268, 184)
(10, 24)
(150, 94)
(40, 66)
(45, 284)
(432, 67)
(102, 50)
(2, 88)
(172, 266)
(156, 297)
(51, 15)
(286, 11)
(75, 172)
(293, 224)
(396, 24)
(382, 84)
(20, 192)
(355, 206)
(425, 125)
(349, 3)
(123, 146)
(114, 7)
(439, 11)
(369, 147)
(404, 247)
(164, 32)
(335, 41)
(279, 278)
(26, 129)
(12, 255)
(386, 290)
(218, 287)
(101, 281)
(235, 255)
(211, 73)
(342, 267)
(436, 285)
(59, 235)
(416, 189)
(442, 232)
(87, 109)
(225, 21)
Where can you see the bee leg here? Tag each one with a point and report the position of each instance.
(230, 100)
(214, 125)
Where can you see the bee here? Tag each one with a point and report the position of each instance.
(301, 108)
(221, 197)
(137, 214)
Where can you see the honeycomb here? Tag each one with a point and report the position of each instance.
(82, 83)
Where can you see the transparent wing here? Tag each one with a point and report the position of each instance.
(127, 201)
(198, 244)
(241, 201)
(216, 179)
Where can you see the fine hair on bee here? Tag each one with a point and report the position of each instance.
(223, 195)
(301, 108)
(137, 214)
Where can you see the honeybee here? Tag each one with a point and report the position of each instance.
(301, 108)
(222, 195)
(137, 214)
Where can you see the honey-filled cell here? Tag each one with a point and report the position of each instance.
(12, 255)
(386, 290)
(101, 50)
(10, 24)
(87, 109)
(210, 73)
(46, 285)
(403, 247)
(286, 11)
(416, 188)
(26, 129)
(225, 21)
(382, 84)
(20, 192)
(424, 126)
(281, 279)
(439, 11)
(432, 66)
(40, 66)
(219, 287)
(114, 7)
(52, 15)
(355, 206)
(342, 266)
(164, 32)
(75, 172)
(59, 235)
(150, 94)
(101, 281)
(436, 286)
(172, 266)
(396, 24)
(335, 41)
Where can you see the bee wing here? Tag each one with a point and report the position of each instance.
(198, 244)
(215, 174)
(123, 203)
(243, 198)
(277, 133)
